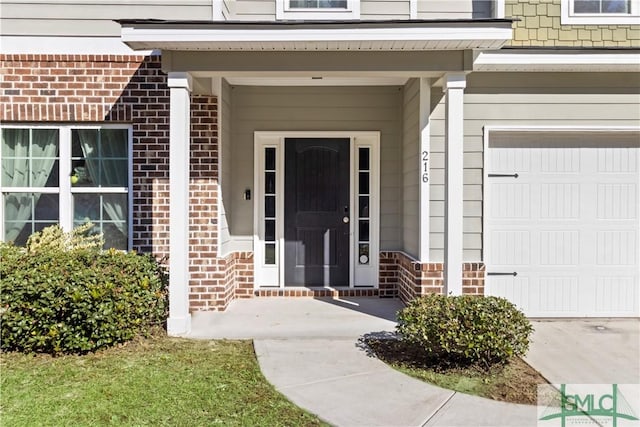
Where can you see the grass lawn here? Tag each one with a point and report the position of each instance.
(514, 382)
(153, 382)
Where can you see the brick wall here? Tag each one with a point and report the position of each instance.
(209, 289)
(539, 25)
(103, 88)
(132, 89)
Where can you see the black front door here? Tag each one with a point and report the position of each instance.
(316, 212)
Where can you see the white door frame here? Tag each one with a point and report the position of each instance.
(360, 275)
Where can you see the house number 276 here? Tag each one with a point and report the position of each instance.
(425, 166)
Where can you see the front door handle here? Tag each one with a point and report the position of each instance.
(345, 220)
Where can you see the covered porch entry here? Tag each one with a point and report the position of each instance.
(274, 91)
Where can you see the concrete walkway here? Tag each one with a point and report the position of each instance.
(311, 351)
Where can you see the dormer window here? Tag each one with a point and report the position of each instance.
(600, 12)
(317, 10)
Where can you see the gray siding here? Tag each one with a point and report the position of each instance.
(225, 155)
(316, 109)
(91, 17)
(385, 9)
(510, 99)
(410, 173)
(445, 9)
(250, 10)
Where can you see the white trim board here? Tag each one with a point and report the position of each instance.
(360, 276)
(570, 61)
(68, 46)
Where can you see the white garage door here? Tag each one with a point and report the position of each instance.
(562, 222)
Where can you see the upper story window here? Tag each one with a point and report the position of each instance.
(66, 175)
(317, 9)
(600, 12)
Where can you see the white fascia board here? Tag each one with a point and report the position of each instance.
(66, 46)
(158, 36)
(557, 61)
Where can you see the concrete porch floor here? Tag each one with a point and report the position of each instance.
(287, 318)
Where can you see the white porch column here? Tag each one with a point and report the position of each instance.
(454, 85)
(179, 321)
(423, 171)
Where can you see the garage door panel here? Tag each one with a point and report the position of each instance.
(617, 201)
(511, 201)
(559, 248)
(567, 224)
(615, 294)
(513, 247)
(617, 247)
(617, 160)
(559, 200)
(508, 160)
(559, 160)
(556, 294)
(515, 289)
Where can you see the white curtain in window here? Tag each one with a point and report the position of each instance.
(112, 173)
(15, 170)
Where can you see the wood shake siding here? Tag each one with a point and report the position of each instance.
(539, 25)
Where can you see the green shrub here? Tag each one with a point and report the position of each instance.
(77, 301)
(465, 329)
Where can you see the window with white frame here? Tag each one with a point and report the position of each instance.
(317, 9)
(66, 175)
(600, 12)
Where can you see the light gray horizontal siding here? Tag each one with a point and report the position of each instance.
(316, 109)
(385, 9)
(410, 176)
(252, 10)
(522, 99)
(445, 9)
(91, 17)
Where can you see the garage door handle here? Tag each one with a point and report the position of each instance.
(503, 175)
(514, 274)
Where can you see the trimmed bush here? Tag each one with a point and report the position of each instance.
(465, 329)
(77, 300)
